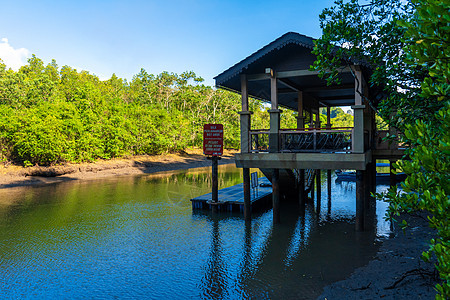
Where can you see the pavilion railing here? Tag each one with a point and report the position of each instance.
(259, 140)
(382, 143)
(338, 139)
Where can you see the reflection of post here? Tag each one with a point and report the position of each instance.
(247, 203)
(247, 265)
(360, 193)
(247, 247)
(301, 188)
(213, 282)
(319, 190)
(329, 192)
(276, 196)
(329, 184)
(369, 201)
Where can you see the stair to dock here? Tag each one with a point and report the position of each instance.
(290, 178)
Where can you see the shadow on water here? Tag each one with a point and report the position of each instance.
(294, 259)
(136, 236)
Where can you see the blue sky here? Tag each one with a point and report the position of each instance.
(105, 37)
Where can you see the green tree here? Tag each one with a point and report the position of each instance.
(407, 43)
(50, 115)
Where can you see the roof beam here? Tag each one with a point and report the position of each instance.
(327, 88)
(255, 77)
(289, 84)
(307, 72)
(286, 91)
(287, 74)
(344, 97)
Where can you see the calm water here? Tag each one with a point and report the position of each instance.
(137, 237)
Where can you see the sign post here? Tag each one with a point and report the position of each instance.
(213, 148)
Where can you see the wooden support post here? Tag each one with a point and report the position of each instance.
(300, 117)
(244, 92)
(274, 141)
(247, 203)
(358, 115)
(372, 169)
(369, 201)
(276, 196)
(393, 144)
(215, 183)
(392, 176)
(328, 117)
(359, 224)
(245, 121)
(245, 143)
(317, 123)
(215, 179)
(274, 131)
(273, 90)
(312, 190)
(301, 188)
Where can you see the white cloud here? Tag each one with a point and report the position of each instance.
(13, 58)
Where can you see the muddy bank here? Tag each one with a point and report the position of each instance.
(13, 176)
(397, 271)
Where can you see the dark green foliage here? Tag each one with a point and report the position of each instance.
(50, 115)
(407, 44)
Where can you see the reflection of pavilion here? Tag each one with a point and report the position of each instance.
(279, 74)
(214, 281)
(280, 259)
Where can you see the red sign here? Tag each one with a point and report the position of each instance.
(213, 139)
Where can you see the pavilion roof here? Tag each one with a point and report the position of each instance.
(290, 57)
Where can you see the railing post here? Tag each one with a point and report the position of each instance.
(352, 137)
(274, 139)
(315, 140)
(245, 131)
(245, 117)
(358, 108)
(300, 117)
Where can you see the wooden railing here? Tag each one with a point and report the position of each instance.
(382, 143)
(259, 140)
(305, 140)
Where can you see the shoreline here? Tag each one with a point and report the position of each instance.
(17, 176)
(396, 272)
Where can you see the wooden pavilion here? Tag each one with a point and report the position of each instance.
(291, 158)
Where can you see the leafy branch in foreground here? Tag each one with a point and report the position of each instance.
(407, 45)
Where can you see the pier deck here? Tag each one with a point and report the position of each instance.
(232, 198)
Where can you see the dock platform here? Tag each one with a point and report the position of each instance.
(232, 198)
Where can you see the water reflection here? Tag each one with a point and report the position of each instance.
(214, 282)
(294, 259)
(136, 236)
